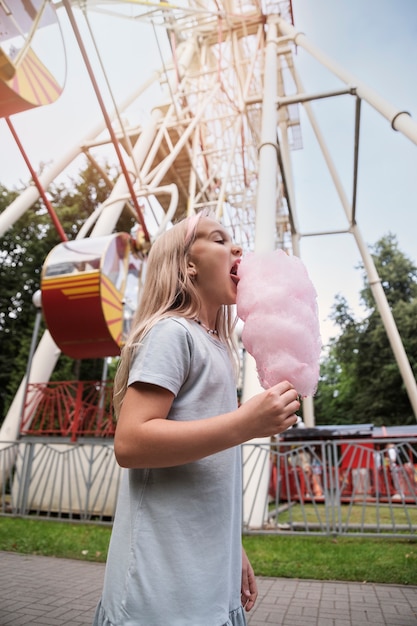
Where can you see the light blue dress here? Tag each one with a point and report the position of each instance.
(175, 551)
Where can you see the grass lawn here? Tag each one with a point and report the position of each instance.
(357, 515)
(352, 558)
(359, 559)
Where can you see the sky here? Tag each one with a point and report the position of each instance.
(375, 40)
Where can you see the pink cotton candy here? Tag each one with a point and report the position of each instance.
(278, 304)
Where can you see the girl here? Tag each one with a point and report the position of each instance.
(175, 556)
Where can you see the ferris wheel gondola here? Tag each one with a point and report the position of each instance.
(89, 294)
(28, 31)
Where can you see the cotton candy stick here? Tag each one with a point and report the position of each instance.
(277, 302)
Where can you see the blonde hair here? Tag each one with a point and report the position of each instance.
(169, 291)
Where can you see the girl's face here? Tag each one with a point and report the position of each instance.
(213, 262)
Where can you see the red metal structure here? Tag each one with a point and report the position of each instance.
(70, 409)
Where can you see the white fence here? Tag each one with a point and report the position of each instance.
(361, 487)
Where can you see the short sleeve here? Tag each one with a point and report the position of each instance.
(164, 356)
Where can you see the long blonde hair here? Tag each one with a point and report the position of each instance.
(168, 291)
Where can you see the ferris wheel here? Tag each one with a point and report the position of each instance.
(220, 132)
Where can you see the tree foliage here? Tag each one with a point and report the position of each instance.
(360, 380)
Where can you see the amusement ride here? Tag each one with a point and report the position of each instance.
(220, 133)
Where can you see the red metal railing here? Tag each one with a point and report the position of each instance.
(69, 409)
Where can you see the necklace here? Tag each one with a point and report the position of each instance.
(209, 330)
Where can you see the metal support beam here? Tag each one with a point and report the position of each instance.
(255, 494)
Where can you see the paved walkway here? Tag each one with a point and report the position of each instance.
(44, 591)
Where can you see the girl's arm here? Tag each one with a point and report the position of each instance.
(145, 438)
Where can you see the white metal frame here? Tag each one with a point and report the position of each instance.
(222, 137)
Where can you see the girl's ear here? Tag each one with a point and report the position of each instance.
(191, 269)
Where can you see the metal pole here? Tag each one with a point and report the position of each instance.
(36, 299)
(265, 227)
(256, 490)
(400, 120)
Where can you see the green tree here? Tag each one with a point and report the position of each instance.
(397, 272)
(360, 379)
(22, 251)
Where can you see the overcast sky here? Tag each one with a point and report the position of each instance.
(376, 40)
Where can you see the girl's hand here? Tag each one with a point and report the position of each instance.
(249, 589)
(272, 411)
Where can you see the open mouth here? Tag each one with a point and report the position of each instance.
(233, 274)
